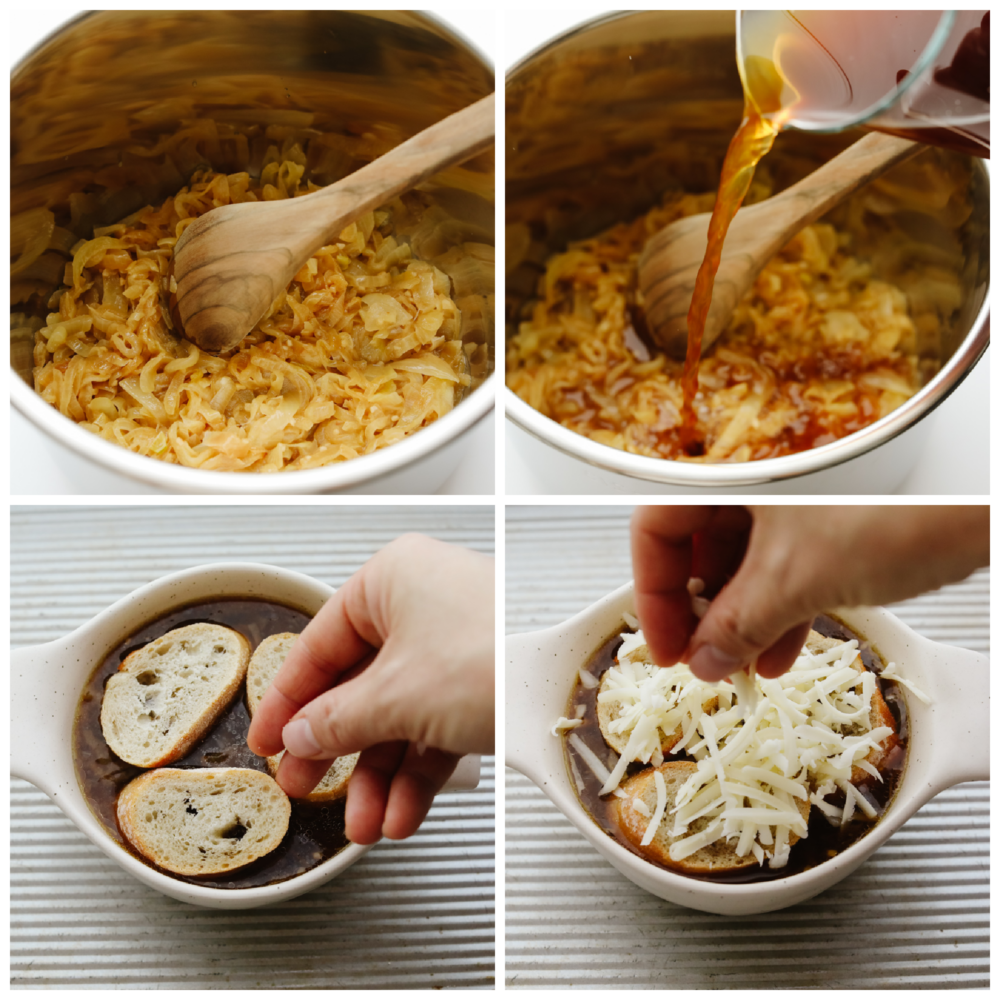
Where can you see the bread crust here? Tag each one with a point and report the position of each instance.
(161, 683)
(718, 857)
(264, 664)
(187, 821)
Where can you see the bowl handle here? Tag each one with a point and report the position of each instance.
(526, 677)
(965, 753)
(465, 777)
(35, 711)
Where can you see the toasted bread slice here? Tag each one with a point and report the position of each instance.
(167, 695)
(718, 857)
(264, 664)
(879, 715)
(607, 712)
(203, 821)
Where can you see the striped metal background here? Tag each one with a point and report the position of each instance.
(916, 915)
(418, 913)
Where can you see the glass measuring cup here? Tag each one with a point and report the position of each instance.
(922, 74)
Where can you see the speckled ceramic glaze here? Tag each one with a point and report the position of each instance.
(46, 682)
(948, 744)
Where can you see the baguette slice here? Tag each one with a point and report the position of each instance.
(718, 857)
(203, 821)
(264, 664)
(167, 695)
(879, 715)
(607, 712)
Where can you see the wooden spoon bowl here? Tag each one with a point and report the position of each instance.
(233, 262)
(669, 262)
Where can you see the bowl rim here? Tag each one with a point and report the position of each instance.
(770, 470)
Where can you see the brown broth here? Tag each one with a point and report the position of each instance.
(824, 841)
(315, 830)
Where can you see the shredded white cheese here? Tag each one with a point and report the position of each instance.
(699, 605)
(892, 674)
(661, 806)
(564, 725)
(746, 689)
(762, 746)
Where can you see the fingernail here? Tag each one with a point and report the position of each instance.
(711, 664)
(299, 740)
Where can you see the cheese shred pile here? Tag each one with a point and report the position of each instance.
(759, 767)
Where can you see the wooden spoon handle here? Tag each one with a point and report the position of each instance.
(453, 139)
(670, 260)
(232, 263)
(813, 196)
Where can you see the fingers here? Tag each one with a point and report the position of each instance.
(332, 643)
(418, 780)
(742, 625)
(778, 658)
(355, 714)
(720, 547)
(392, 790)
(764, 612)
(662, 552)
(297, 777)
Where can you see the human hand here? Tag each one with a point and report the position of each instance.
(400, 660)
(772, 569)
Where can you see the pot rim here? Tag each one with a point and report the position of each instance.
(341, 475)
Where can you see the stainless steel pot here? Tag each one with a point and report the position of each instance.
(109, 83)
(598, 122)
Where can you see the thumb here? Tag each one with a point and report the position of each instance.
(350, 717)
(761, 614)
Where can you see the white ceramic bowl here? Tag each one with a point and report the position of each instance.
(382, 67)
(47, 681)
(948, 744)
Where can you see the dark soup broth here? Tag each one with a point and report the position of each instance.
(315, 830)
(824, 840)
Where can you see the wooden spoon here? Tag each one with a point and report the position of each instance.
(232, 262)
(670, 260)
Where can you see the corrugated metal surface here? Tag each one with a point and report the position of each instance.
(916, 915)
(419, 913)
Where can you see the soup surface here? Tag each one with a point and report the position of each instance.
(316, 830)
(824, 840)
